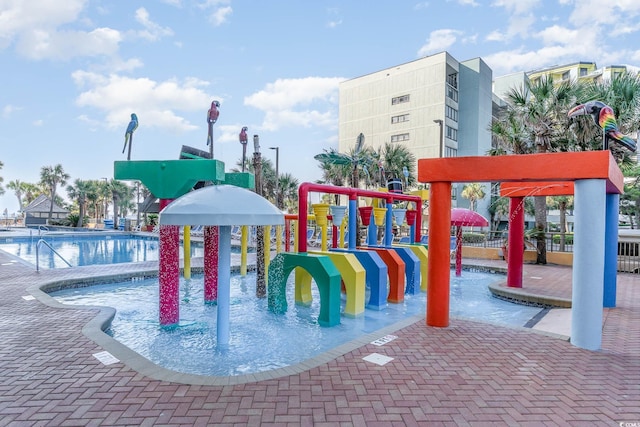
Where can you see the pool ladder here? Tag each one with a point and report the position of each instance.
(44, 242)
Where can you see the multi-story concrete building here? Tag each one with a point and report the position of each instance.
(583, 71)
(436, 106)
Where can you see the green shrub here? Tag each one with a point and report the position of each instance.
(473, 238)
(568, 238)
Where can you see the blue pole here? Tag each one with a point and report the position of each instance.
(611, 251)
(224, 284)
(388, 226)
(353, 223)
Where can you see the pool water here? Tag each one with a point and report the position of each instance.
(87, 250)
(259, 339)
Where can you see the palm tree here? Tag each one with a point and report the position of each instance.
(359, 159)
(473, 192)
(288, 186)
(121, 194)
(537, 123)
(31, 191)
(51, 177)
(394, 159)
(18, 187)
(1, 180)
(79, 192)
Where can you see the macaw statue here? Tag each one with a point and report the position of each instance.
(603, 116)
(244, 139)
(243, 135)
(212, 117)
(128, 135)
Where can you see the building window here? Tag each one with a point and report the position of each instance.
(450, 152)
(451, 113)
(452, 133)
(616, 74)
(399, 119)
(399, 99)
(452, 80)
(454, 193)
(583, 71)
(400, 137)
(565, 75)
(452, 93)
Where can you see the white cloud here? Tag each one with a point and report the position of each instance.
(33, 25)
(517, 7)
(297, 102)
(38, 123)
(157, 103)
(334, 17)
(152, 31)
(63, 45)
(8, 110)
(220, 11)
(469, 3)
(495, 36)
(613, 12)
(439, 40)
(421, 5)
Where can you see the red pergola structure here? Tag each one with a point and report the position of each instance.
(595, 175)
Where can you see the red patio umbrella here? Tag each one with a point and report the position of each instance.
(461, 217)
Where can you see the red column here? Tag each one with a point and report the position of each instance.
(458, 251)
(515, 249)
(169, 271)
(210, 264)
(439, 261)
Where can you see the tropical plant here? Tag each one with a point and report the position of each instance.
(1, 180)
(536, 122)
(18, 187)
(121, 194)
(79, 192)
(393, 161)
(51, 177)
(288, 192)
(473, 192)
(358, 160)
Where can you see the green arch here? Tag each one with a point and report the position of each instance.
(323, 271)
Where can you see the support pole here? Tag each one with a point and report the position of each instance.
(224, 290)
(439, 264)
(611, 251)
(186, 249)
(244, 243)
(211, 257)
(169, 272)
(588, 264)
(515, 239)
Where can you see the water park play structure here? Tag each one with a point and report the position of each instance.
(597, 182)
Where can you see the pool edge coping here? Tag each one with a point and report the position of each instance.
(95, 327)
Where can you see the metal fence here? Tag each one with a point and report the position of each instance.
(628, 248)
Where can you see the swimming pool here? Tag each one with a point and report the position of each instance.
(259, 339)
(82, 249)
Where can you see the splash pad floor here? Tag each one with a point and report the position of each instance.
(261, 341)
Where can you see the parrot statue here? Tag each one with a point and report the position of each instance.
(244, 138)
(128, 135)
(603, 116)
(243, 135)
(212, 117)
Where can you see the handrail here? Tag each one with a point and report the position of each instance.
(52, 250)
(42, 228)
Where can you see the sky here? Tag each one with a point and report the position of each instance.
(73, 71)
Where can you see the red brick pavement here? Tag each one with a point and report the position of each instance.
(466, 374)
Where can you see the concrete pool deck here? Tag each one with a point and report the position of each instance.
(469, 373)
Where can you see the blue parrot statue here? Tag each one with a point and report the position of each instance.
(128, 135)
